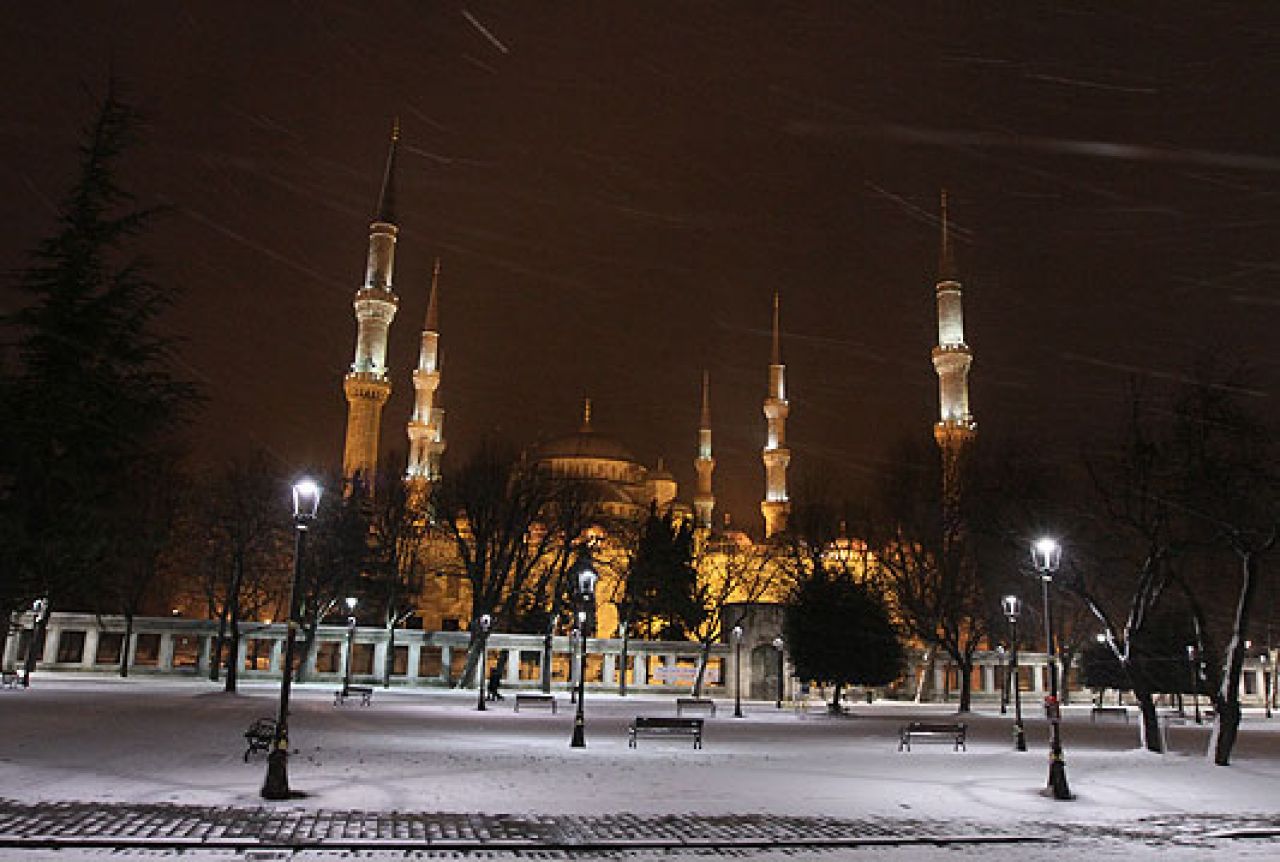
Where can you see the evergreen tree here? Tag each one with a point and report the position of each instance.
(90, 392)
(662, 586)
(838, 631)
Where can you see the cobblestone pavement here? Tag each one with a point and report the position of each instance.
(89, 825)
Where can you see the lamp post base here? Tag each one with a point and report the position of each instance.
(1019, 738)
(1057, 786)
(579, 733)
(276, 785)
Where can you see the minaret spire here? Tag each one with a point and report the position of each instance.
(776, 456)
(387, 198)
(955, 428)
(586, 413)
(704, 500)
(367, 385)
(426, 425)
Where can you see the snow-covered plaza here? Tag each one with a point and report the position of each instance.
(112, 742)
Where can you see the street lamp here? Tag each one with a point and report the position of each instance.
(622, 669)
(306, 501)
(778, 644)
(584, 579)
(39, 615)
(1046, 554)
(1004, 679)
(1012, 609)
(1195, 680)
(351, 602)
(483, 622)
(737, 671)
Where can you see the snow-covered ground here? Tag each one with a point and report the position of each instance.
(138, 740)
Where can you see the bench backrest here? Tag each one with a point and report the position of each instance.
(667, 722)
(926, 727)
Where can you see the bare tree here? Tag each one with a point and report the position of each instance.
(490, 508)
(731, 570)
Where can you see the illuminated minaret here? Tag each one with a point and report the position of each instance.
(955, 428)
(426, 425)
(366, 385)
(703, 500)
(776, 455)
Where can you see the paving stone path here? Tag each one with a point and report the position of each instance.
(83, 824)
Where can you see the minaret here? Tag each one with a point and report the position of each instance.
(426, 425)
(366, 385)
(776, 506)
(955, 428)
(704, 500)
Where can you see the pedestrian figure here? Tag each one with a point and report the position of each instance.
(495, 679)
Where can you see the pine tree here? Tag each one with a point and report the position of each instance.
(90, 392)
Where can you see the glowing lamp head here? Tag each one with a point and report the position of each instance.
(584, 576)
(1046, 554)
(1012, 606)
(778, 644)
(737, 633)
(484, 621)
(306, 501)
(351, 601)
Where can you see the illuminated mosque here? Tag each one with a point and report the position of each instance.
(627, 487)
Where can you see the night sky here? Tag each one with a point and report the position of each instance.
(617, 189)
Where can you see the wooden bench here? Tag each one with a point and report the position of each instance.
(9, 679)
(365, 692)
(1113, 711)
(261, 735)
(703, 703)
(932, 731)
(532, 699)
(664, 725)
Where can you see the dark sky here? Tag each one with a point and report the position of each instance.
(616, 190)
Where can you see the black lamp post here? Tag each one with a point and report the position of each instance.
(306, 501)
(1195, 680)
(1268, 682)
(351, 602)
(737, 671)
(584, 580)
(483, 622)
(1004, 679)
(778, 644)
(622, 668)
(39, 615)
(1046, 554)
(1012, 609)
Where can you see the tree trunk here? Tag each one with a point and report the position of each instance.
(1227, 700)
(965, 672)
(389, 659)
(124, 647)
(471, 670)
(233, 622)
(546, 658)
(704, 656)
(1151, 737)
(215, 659)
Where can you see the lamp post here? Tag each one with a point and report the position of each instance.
(1268, 681)
(622, 667)
(39, 615)
(1046, 555)
(1004, 679)
(778, 644)
(584, 580)
(737, 671)
(351, 602)
(1195, 680)
(483, 622)
(306, 501)
(1012, 609)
